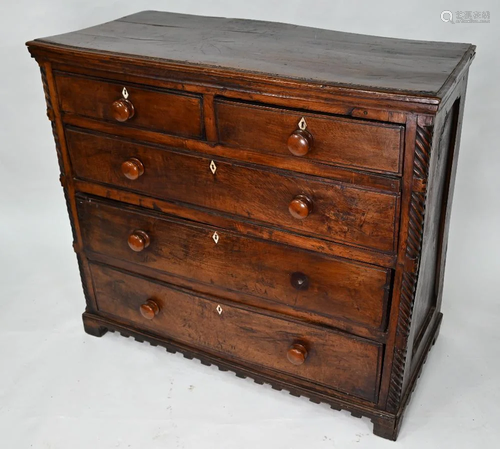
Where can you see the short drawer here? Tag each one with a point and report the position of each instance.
(331, 359)
(166, 111)
(278, 276)
(304, 204)
(326, 139)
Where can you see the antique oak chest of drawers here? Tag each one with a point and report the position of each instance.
(271, 199)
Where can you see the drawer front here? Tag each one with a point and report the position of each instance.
(335, 211)
(161, 110)
(331, 140)
(298, 279)
(331, 359)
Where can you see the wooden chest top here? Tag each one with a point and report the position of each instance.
(288, 52)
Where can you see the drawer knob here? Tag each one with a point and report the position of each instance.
(300, 141)
(123, 109)
(138, 241)
(300, 207)
(133, 168)
(297, 354)
(149, 309)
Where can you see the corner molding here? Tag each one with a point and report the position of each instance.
(51, 116)
(423, 145)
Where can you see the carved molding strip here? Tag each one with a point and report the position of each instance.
(51, 116)
(416, 218)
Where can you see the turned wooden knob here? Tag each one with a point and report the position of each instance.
(138, 241)
(297, 354)
(300, 207)
(300, 142)
(149, 309)
(122, 110)
(132, 168)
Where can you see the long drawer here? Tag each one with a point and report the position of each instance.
(331, 359)
(326, 139)
(303, 204)
(298, 279)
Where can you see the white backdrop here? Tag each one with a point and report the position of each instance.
(61, 388)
